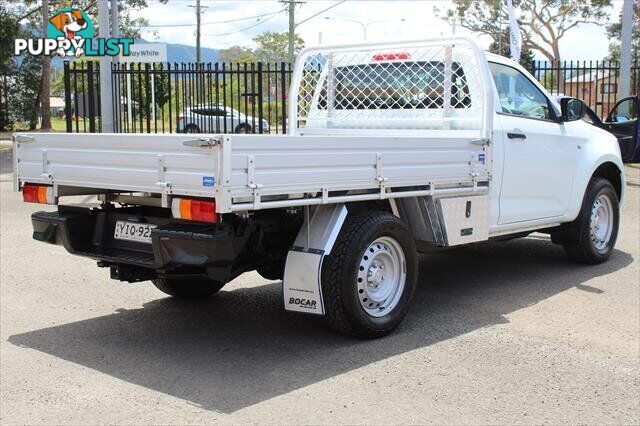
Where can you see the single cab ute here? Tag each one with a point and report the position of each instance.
(392, 149)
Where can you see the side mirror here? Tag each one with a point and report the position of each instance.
(572, 109)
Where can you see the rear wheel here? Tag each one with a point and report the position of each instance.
(188, 289)
(595, 230)
(370, 276)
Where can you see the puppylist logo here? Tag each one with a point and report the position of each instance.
(70, 32)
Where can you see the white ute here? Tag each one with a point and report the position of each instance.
(392, 149)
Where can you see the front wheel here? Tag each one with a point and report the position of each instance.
(370, 276)
(596, 227)
(188, 289)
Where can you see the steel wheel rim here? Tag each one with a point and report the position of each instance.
(381, 277)
(601, 223)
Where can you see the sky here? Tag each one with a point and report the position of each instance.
(402, 20)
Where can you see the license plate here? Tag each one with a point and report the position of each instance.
(133, 231)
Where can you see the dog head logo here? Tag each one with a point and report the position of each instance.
(69, 23)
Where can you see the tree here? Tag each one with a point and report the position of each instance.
(21, 79)
(614, 31)
(543, 22)
(237, 54)
(273, 47)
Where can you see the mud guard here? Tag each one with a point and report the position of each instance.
(301, 286)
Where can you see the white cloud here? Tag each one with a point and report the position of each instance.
(403, 20)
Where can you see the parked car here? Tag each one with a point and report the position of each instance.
(218, 119)
(339, 207)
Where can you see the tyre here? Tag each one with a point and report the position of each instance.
(188, 289)
(243, 129)
(595, 230)
(369, 279)
(192, 128)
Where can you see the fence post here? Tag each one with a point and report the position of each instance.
(91, 97)
(283, 76)
(67, 97)
(147, 98)
(260, 112)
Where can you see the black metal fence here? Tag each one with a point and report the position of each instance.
(595, 82)
(185, 98)
(252, 97)
(82, 96)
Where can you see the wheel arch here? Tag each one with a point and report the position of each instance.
(608, 167)
(611, 172)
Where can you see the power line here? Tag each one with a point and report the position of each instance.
(243, 29)
(214, 22)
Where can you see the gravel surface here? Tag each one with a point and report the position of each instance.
(501, 333)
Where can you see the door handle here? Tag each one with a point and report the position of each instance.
(511, 135)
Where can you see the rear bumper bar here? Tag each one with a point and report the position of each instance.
(176, 245)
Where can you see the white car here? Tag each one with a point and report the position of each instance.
(393, 149)
(218, 119)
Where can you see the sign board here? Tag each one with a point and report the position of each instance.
(146, 53)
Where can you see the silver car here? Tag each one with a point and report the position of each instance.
(218, 119)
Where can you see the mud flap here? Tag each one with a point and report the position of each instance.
(301, 286)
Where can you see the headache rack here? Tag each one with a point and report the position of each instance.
(399, 87)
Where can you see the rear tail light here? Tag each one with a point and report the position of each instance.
(37, 194)
(193, 209)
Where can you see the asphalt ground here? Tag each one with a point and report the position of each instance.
(503, 333)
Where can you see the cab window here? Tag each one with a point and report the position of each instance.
(518, 95)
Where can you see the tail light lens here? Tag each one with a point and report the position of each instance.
(193, 209)
(41, 194)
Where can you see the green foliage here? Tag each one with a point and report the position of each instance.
(20, 81)
(237, 54)
(273, 47)
(9, 27)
